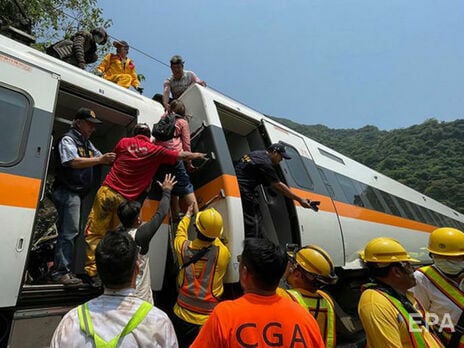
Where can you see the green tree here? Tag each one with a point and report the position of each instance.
(53, 20)
(427, 157)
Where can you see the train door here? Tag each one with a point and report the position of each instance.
(41, 303)
(27, 100)
(300, 174)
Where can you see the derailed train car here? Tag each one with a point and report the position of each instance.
(38, 98)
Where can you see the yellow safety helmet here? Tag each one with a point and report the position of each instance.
(317, 262)
(209, 223)
(446, 241)
(385, 250)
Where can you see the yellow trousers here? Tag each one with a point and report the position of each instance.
(123, 80)
(102, 218)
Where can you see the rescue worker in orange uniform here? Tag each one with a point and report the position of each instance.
(390, 314)
(308, 270)
(203, 264)
(119, 68)
(440, 286)
(260, 318)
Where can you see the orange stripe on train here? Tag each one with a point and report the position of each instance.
(19, 191)
(229, 184)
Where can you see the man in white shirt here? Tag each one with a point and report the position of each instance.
(118, 317)
(440, 286)
(129, 215)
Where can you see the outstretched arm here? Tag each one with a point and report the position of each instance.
(187, 155)
(146, 231)
(285, 190)
(166, 91)
(86, 162)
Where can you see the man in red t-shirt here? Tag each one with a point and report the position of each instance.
(137, 160)
(260, 318)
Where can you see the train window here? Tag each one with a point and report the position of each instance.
(454, 223)
(435, 217)
(447, 222)
(439, 218)
(14, 117)
(352, 195)
(362, 195)
(390, 203)
(408, 208)
(428, 217)
(374, 199)
(327, 184)
(331, 156)
(418, 213)
(297, 169)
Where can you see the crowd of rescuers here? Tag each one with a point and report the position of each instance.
(400, 307)
(298, 314)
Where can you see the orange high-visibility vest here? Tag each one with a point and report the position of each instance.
(196, 293)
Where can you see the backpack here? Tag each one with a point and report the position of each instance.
(62, 49)
(166, 127)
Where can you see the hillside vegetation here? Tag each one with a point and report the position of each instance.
(428, 157)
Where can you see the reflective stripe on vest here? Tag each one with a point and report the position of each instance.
(87, 326)
(449, 290)
(196, 293)
(444, 285)
(310, 304)
(414, 331)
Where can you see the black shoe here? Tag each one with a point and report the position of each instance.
(68, 280)
(95, 282)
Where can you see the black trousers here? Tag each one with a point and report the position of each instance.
(186, 332)
(252, 215)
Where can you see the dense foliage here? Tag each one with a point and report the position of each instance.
(428, 157)
(52, 20)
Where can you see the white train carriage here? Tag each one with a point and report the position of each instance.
(38, 98)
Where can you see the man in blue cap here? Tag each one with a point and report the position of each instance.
(258, 168)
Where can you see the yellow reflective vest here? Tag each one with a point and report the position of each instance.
(87, 326)
(316, 305)
(449, 290)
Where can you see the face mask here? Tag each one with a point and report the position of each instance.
(451, 267)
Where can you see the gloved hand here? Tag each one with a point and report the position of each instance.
(139, 89)
(314, 205)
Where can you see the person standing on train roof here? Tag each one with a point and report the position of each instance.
(440, 286)
(309, 269)
(137, 160)
(76, 158)
(390, 314)
(119, 68)
(179, 81)
(258, 168)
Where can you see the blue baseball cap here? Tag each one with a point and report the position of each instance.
(280, 148)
